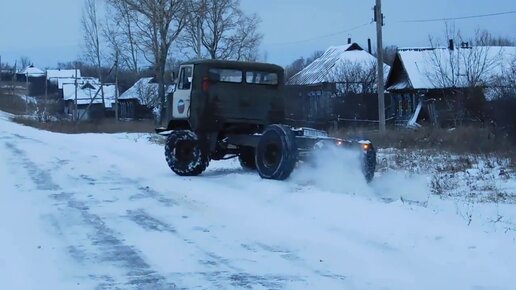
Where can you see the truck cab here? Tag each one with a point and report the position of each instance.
(212, 94)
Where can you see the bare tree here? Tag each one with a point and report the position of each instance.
(485, 38)
(503, 85)
(295, 67)
(158, 24)
(119, 32)
(462, 65)
(25, 61)
(91, 29)
(218, 29)
(463, 70)
(389, 54)
(355, 78)
(246, 39)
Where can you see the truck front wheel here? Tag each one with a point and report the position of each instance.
(185, 153)
(276, 153)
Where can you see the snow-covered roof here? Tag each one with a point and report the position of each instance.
(62, 73)
(86, 92)
(81, 81)
(32, 71)
(145, 90)
(335, 59)
(421, 66)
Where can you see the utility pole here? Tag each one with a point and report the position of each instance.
(75, 116)
(378, 17)
(116, 85)
(27, 86)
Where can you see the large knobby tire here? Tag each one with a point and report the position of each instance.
(276, 153)
(247, 158)
(185, 153)
(369, 165)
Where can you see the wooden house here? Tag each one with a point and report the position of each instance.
(88, 98)
(349, 73)
(35, 79)
(140, 100)
(443, 86)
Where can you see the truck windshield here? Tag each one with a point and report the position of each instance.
(261, 77)
(185, 78)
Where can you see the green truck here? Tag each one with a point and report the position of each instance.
(232, 109)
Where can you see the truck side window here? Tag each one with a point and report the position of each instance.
(261, 77)
(225, 75)
(185, 78)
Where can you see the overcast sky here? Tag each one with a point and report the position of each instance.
(49, 31)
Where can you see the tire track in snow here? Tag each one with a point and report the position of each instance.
(138, 273)
(40, 178)
(233, 275)
(219, 279)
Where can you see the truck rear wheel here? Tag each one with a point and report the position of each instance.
(185, 153)
(276, 153)
(247, 158)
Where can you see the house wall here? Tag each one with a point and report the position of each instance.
(310, 106)
(95, 111)
(440, 107)
(37, 86)
(127, 109)
(360, 110)
(131, 109)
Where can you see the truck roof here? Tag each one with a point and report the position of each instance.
(231, 64)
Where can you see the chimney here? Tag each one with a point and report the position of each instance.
(349, 40)
(450, 45)
(369, 49)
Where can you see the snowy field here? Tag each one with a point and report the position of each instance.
(99, 211)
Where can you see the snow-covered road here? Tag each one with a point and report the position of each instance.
(100, 211)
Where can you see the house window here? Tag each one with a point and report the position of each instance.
(261, 77)
(185, 78)
(225, 75)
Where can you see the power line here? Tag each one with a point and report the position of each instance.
(324, 36)
(458, 18)
(402, 21)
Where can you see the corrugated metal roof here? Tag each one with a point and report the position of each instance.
(327, 67)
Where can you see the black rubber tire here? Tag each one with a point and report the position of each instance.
(247, 158)
(369, 165)
(185, 153)
(276, 153)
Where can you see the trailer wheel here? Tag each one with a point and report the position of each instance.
(185, 153)
(246, 158)
(276, 153)
(369, 165)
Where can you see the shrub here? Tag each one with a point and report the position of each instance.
(103, 126)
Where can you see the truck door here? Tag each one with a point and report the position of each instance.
(181, 97)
